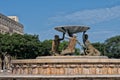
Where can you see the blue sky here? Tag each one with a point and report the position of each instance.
(41, 16)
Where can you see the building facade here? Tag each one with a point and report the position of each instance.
(15, 18)
(10, 25)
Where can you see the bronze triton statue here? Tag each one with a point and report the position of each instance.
(88, 49)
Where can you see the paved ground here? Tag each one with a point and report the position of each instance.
(8, 75)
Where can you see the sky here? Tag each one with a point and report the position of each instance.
(42, 16)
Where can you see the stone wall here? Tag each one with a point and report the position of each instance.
(66, 66)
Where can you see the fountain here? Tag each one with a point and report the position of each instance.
(64, 65)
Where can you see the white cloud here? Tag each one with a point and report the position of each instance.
(88, 16)
(101, 36)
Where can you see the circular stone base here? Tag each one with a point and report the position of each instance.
(72, 57)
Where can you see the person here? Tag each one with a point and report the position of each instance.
(7, 62)
(56, 43)
(2, 62)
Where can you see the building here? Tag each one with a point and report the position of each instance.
(15, 18)
(10, 25)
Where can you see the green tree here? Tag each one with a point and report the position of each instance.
(46, 48)
(113, 47)
(20, 46)
(63, 45)
(77, 51)
(100, 46)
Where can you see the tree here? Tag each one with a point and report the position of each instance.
(77, 51)
(63, 45)
(20, 46)
(46, 48)
(100, 46)
(113, 47)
